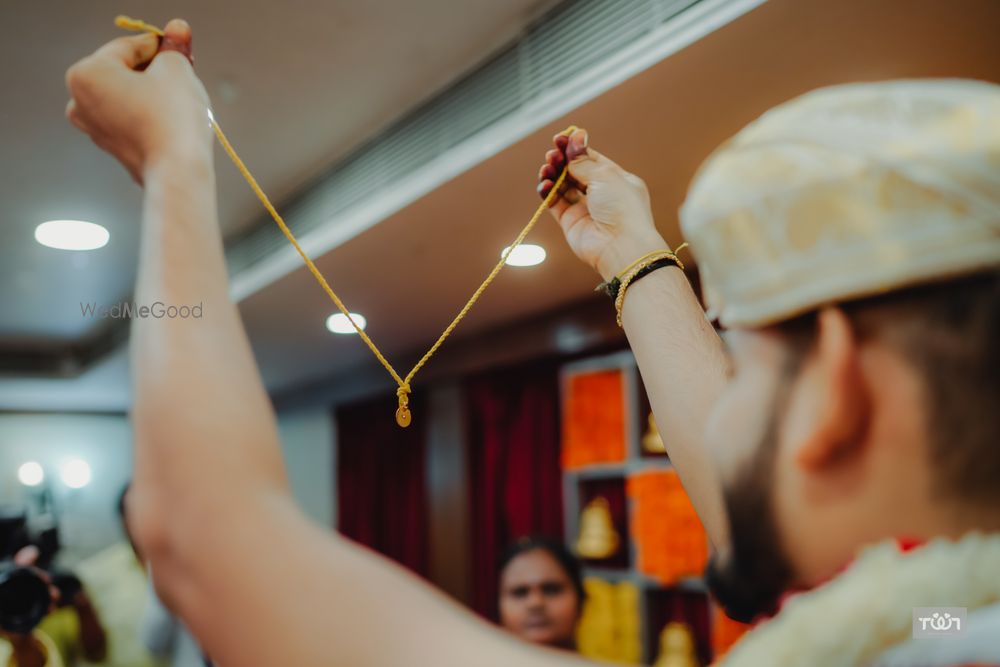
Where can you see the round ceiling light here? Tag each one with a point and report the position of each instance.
(72, 235)
(339, 324)
(525, 254)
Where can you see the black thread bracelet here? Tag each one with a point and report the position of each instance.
(612, 287)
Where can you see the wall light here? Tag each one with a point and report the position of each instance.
(75, 473)
(31, 473)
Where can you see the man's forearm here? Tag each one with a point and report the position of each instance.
(682, 363)
(204, 428)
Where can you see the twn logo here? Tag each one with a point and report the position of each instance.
(938, 622)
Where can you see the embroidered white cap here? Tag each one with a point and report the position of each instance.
(846, 192)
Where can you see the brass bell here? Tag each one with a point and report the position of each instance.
(598, 538)
(676, 647)
(652, 442)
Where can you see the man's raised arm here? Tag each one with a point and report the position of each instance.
(606, 218)
(257, 583)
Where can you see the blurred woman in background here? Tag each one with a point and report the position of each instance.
(541, 592)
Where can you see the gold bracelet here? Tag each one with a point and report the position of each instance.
(630, 276)
(637, 271)
(621, 274)
(655, 253)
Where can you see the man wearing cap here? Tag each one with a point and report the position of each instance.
(846, 434)
(849, 241)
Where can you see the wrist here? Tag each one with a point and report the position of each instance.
(190, 156)
(617, 256)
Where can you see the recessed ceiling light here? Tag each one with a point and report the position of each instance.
(71, 235)
(339, 324)
(525, 254)
(75, 473)
(31, 473)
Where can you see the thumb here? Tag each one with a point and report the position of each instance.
(177, 37)
(587, 165)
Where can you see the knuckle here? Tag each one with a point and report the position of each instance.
(78, 77)
(636, 182)
(73, 76)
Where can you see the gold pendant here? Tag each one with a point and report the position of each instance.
(403, 416)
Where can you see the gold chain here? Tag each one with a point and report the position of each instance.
(403, 416)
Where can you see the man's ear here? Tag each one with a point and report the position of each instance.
(843, 403)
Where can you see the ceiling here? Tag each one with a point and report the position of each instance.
(412, 272)
(296, 84)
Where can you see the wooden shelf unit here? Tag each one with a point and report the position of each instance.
(651, 591)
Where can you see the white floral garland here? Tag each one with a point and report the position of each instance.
(868, 609)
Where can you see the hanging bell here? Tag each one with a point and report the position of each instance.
(652, 442)
(677, 647)
(598, 538)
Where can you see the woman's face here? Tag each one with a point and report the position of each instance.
(537, 600)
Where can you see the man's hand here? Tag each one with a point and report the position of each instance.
(139, 99)
(603, 210)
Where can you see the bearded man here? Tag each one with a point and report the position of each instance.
(849, 243)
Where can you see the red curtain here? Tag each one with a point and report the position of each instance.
(382, 497)
(515, 478)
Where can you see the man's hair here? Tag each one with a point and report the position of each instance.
(950, 333)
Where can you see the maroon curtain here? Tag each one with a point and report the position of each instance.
(382, 498)
(515, 477)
